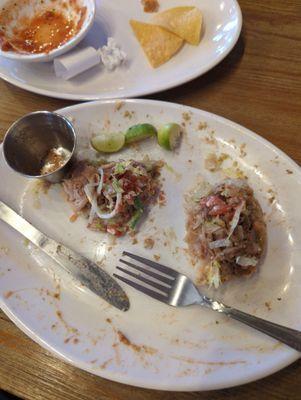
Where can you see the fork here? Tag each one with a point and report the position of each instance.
(175, 289)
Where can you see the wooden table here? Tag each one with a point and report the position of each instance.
(259, 86)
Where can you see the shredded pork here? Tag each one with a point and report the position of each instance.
(113, 196)
(226, 227)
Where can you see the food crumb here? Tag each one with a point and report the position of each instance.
(73, 217)
(157, 257)
(217, 322)
(134, 241)
(162, 199)
(242, 151)
(279, 298)
(128, 114)
(109, 321)
(210, 140)
(8, 294)
(213, 163)
(186, 116)
(150, 6)
(118, 105)
(288, 171)
(234, 172)
(4, 250)
(202, 126)
(149, 243)
(268, 305)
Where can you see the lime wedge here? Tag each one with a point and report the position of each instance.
(139, 132)
(108, 142)
(169, 136)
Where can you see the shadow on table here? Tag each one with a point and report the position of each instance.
(6, 396)
(212, 77)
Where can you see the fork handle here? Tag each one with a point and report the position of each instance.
(290, 337)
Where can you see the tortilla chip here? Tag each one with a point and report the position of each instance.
(158, 44)
(185, 22)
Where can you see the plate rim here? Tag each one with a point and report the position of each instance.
(288, 358)
(160, 88)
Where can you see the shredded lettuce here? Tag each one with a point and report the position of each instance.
(119, 168)
(135, 218)
(138, 203)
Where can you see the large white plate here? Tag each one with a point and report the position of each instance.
(222, 25)
(174, 349)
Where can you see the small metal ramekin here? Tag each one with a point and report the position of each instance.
(29, 140)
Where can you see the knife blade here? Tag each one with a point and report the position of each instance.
(81, 268)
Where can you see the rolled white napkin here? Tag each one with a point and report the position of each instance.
(77, 61)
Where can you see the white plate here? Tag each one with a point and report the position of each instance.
(176, 349)
(222, 25)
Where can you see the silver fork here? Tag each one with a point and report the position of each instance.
(171, 287)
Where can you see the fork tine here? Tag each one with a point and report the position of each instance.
(153, 264)
(141, 278)
(161, 278)
(143, 289)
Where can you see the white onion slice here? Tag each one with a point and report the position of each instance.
(246, 261)
(219, 243)
(94, 206)
(235, 219)
(88, 193)
(99, 187)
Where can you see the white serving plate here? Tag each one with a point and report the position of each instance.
(222, 25)
(172, 349)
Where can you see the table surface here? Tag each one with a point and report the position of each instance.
(259, 86)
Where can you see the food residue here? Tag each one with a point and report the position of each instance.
(202, 126)
(46, 31)
(8, 294)
(149, 243)
(242, 151)
(150, 6)
(138, 348)
(214, 163)
(128, 114)
(55, 159)
(186, 116)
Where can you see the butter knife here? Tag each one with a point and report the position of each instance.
(82, 269)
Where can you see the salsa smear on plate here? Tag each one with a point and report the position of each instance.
(47, 30)
(113, 195)
(225, 226)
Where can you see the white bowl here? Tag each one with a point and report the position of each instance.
(30, 8)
